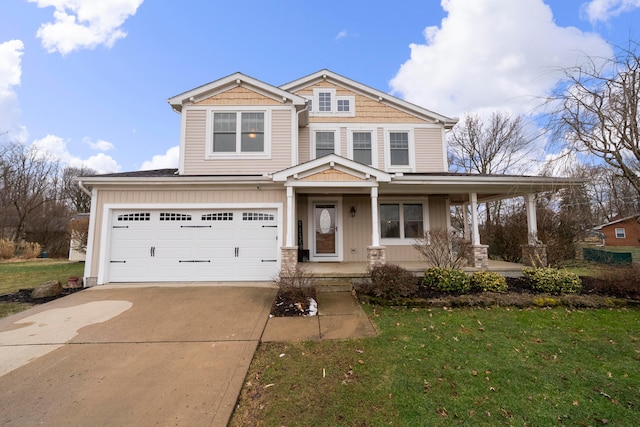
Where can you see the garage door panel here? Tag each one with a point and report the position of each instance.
(193, 245)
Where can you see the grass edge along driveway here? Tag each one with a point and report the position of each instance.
(481, 367)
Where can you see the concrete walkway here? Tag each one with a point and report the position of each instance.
(118, 355)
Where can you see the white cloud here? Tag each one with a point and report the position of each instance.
(603, 10)
(169, 159)
(491, 54)
(342, 34)
(84, 24)
(10, 76)
(99, 145)
(56, 147)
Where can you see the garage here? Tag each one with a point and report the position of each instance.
(193, 245)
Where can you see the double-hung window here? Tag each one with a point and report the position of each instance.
(325, 143)
(401, 220)
(324, 101)
(399, 148)
(362, 147)
(238, 132)
(620, 233)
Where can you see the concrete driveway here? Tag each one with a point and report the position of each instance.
(139, 356)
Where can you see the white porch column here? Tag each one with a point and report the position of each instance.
(465, 220)
(475, 237)
(532, 220)
(375, 222)
(291, 217)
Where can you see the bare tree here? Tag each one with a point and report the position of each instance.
(78, 200)
(596, 111)
(494, 145)
(26, 176)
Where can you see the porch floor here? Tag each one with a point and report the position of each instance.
(359, 269)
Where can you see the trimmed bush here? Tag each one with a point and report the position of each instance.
(391, 282)
(447, 280)
(553, 281)
(488, 281)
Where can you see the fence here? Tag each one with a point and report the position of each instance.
(604, 257)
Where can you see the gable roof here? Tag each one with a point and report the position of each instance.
(234, 80)
(636, 217)
(370, 92)
(331, 161)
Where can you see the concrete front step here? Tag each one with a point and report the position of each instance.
(333, 285)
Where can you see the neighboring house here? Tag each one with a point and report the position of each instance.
(323, 169)
(621, 232)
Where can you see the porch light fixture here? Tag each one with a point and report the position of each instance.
(353, 211)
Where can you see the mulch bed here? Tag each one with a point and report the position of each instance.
(292, 303)
(23, 296)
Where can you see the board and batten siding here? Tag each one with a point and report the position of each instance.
(155, 198)
(195, 147)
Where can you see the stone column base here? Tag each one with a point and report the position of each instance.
(376, 255)
(289, 259)
(534, 255)
(479, 256)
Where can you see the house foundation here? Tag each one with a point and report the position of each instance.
(479, 256)
(534, 255)
(376, 255)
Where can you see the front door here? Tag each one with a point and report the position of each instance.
(325, 231)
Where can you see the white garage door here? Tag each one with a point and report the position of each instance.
(193, 245)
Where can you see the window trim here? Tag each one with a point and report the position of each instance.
(315, 102)
(624, 233)
(374, 143)
(403, 241)
(336, 139)
(265, 154)
(411, 167)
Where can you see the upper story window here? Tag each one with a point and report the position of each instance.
(326, 102)
(399, 150)
(620, 233)
(325, 143)
(238, 133)
(362, 147)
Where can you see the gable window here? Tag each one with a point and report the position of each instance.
(401, 221)
(362, 147)
(344, 105)
(620, 233)
(238, 132)
(325, 143)
(324, 101)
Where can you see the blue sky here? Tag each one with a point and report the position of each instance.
(88, 81)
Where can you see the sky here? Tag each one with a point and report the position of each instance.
(88, 81)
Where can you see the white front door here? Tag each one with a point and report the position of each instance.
(326, 231)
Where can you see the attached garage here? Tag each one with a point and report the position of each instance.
(189, 245)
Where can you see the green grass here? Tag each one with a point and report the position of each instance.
(438, 367)
(29, 274)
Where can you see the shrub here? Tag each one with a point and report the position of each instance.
(31, 250)
(7, 248)
(296, 284)
(443, 248)
(391, 281)
(553, 281)
(488, 281)
(447, 280)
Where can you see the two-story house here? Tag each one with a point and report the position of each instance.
(321, 169)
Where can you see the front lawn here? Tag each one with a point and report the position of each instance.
(440, 366)
(15, 275)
